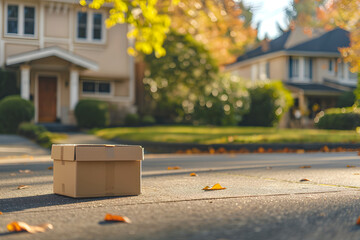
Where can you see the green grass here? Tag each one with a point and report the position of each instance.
(214, 135)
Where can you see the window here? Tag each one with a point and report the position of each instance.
(82, 21)
(330, 65)
(96, 87)
(295, 67)
(13, 19)
(20, 20)
(307, 68)
(89, 26)
(267, 70)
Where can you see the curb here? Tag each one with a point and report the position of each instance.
(161, 147)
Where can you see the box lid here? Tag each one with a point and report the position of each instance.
(96, 152)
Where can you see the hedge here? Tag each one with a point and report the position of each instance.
(338, 118)
(13, 111)
(91, 113)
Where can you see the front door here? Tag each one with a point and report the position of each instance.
(47, 99)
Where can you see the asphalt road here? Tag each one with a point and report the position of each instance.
(264, 199)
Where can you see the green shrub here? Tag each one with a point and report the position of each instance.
(13, 111)
(224, 102)
(347, 99)
(8, 83)
(338, 118)
(91, 113)
(30, 130)
(36, 133)
(269, 101)
(148, 120)
(132, 119)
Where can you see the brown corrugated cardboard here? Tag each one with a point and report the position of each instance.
(97, 170)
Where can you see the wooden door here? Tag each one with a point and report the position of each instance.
(47, 99)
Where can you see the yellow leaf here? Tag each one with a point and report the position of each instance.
(305, 167)
(50, 168)
(174, 168)
(22, 226)
(350, 166)
(215, 187)
(82, 2)
(116, 218)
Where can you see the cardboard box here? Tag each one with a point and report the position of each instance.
(97, 170)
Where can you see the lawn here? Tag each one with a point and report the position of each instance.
(216, 135)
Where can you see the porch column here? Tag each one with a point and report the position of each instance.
(74, 88)
(25, 82)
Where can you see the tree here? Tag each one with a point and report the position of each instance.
(222, 26)
(174, 82)
(149, 26)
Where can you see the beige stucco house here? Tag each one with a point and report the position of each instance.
(64, 53)
(309, 64)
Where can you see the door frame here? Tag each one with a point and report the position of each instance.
(58, 93)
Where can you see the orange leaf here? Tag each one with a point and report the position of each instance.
(349, 166)
(305, 167)
(22, 226)
(174, 168)
(300, 151)
(116, 218)
(358, 221)
(22, 187)
(193, 174)
(211, 150)
(215, 187)
(1, 213)
(50, 168)
(304, 180)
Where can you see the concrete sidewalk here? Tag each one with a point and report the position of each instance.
(17, 146)
(264, 199)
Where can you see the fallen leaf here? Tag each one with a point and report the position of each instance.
(50, 168)
(1, 213)
(22, 187)
(116, 218)
(358, 221)
(221, 150)
(356, 173)
(304, 180)
(349, 166)
(25, 171)
(300, 151)
(305, 167)
(260, 150)
(22, 226)
(193, 174)
(215, 187)
(174, 168)
(325, 149)
(211, 150)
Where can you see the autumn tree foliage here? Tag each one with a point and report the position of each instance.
(330, 14)
(223, 26)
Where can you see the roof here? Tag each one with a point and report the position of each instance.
(273, 46)
(49, 52)
(328, 42)
(315, 88)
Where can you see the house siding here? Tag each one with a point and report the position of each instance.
(55, 24)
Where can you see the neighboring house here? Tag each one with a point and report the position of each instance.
(64, 53)
(310, 65)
